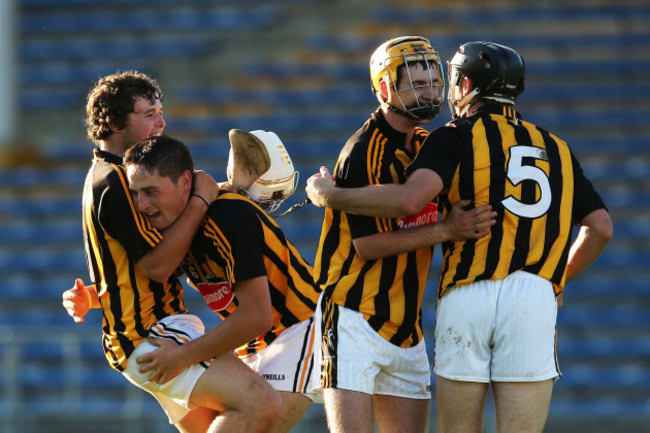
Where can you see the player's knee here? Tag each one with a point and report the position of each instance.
(268, 410)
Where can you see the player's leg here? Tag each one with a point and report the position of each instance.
(463, 336)
(402, 388)
(521, 407)
(348, 361)
(348, 411)
(460, 405)
(401, 415)
(197, 420)
(294, 406)
(247, 402)
(524, 361)
(287, 365)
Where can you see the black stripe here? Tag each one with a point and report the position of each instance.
(411, 311)
(466, 191)
(524, 225)
(172, 330)
(553, 215)
(496, 193)
(303, 352)
(278, 302)
(285, 270)
(309, 373)
(329, 331)
(355, 294)
(330, 245)
(382, 300)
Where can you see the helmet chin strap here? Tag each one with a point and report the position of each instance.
(465, 102)
(430, 115)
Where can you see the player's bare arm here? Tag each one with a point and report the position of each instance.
(161, 262)
(386, 200)
(596, 230)
(253, 317)
(459, 225)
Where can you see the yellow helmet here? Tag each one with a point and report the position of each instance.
(407, 51)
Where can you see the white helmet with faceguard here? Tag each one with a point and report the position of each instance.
(276, 184)
(392, 61)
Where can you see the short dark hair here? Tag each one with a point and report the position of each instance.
(113, 98)
(167, 156)
(401, 69)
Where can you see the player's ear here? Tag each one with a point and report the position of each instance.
(383, 89)
(185, 181)
(113, 125)
(466, 86)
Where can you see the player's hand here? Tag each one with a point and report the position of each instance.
(469, 224)
(318, 186)
(164, 363)
(228, 187)
(560, 299)
(77, 301)
(205, 186)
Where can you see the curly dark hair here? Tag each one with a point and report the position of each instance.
(113, 98)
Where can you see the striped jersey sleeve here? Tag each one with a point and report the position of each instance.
(239, 241)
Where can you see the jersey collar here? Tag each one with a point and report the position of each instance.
(393, 135)
(111, 158)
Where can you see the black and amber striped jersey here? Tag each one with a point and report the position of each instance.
(116, 236)
(237, 241)
(388, 291)
(531, 179)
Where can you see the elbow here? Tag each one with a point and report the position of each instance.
(264, 323)
(158, 275)
(606, 231)
(600, 225)
(408, 205)
(364, 254)
(364, 249)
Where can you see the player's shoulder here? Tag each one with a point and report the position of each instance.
(448, 132)
(230, 206)
(232, 201)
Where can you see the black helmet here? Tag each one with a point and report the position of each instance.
(496, 71)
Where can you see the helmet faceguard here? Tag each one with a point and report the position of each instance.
(276, 184)
(496, 71)
(392, 62)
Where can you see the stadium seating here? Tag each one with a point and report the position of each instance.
(299, 68)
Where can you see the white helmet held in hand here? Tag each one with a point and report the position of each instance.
(276, 184)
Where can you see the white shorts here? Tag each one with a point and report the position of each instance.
(498, 330)
(353, 356)
(174, 395)
(288, 362)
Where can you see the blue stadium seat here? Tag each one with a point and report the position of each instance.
(610, 317)
(40, 235)
(38, 207)
(604, 348)
(176, 19)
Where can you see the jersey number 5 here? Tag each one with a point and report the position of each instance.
(518, 172)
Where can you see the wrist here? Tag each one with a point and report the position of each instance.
(200, 197)
(90, 298)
